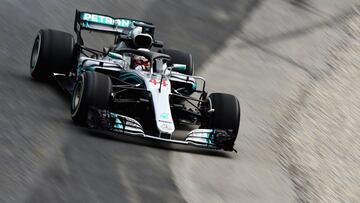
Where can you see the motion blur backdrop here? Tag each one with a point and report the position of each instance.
(266, 52)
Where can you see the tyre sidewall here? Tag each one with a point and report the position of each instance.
(41, 71)
(79, 112)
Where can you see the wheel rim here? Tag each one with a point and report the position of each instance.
(77, 97)
(35, 53)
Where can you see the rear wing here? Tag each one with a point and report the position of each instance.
(107, 24)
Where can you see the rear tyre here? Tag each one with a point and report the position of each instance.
(92, 89)
(226, 117)
(52, 53)
(179, 57)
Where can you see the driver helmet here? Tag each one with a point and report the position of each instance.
(141, 62)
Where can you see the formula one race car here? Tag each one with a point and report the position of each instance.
(130, 89)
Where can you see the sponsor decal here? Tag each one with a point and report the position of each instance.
(166, 127)
(165, 116)
(119, 22)
(162, 121)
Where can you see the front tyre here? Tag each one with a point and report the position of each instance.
(226, 116)
(93, 89)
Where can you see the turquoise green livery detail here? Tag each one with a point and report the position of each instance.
(164, 116)
(126, 76)
(115, 55)
(118, 123)
(180, 67)
(118, 22)
(194, 86)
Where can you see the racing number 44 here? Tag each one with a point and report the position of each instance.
(156, 81)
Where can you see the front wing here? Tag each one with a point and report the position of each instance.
(123, 125)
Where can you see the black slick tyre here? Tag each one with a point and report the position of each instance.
(226, 116)
(52, 53)
(179, 57)
(92, 89)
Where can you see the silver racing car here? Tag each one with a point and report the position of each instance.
(134, 87)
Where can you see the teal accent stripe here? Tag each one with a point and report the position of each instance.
(126, 76)
(118, 123)
(194, 86)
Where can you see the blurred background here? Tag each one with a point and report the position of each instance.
(279, 57)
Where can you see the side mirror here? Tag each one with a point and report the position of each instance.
(115, 55)
(158, 44)
(179, 67)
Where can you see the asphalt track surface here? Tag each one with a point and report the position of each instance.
(44, 156)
